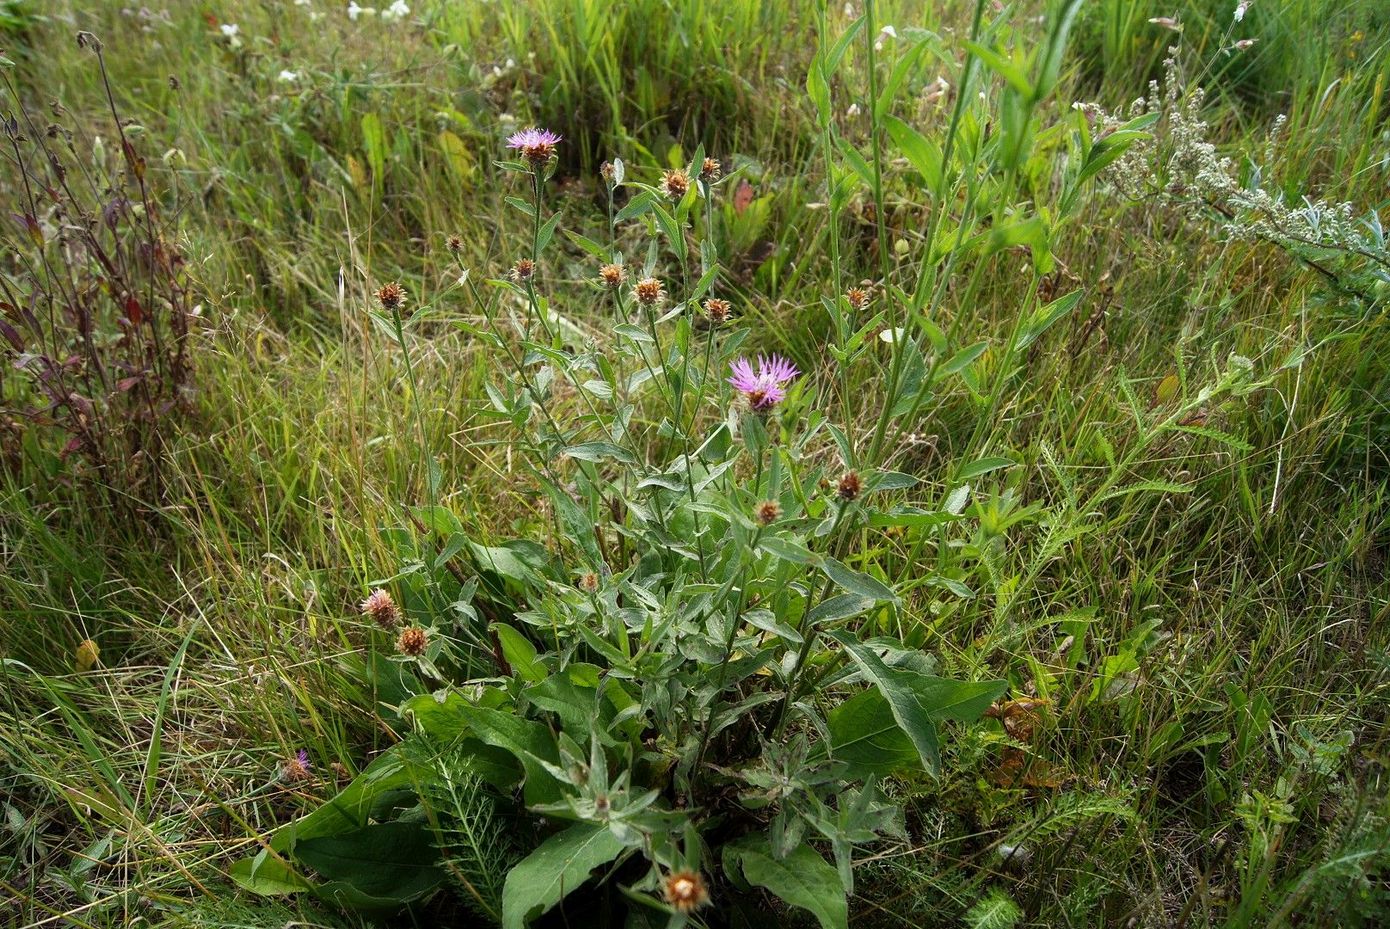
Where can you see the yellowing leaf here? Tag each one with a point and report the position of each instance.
(1167, 389)
(459, 159)
(87, 657)
(358, 172)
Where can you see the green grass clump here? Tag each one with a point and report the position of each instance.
(1168, 506)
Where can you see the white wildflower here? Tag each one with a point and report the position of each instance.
(230, 30)
(853, 110)
(397, 10)
(1241, 7)
(288, 77)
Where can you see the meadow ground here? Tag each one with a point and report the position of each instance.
(1116, 376)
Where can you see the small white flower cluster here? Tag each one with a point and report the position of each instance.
(1179, 165)
(232, 33)
(396, 11)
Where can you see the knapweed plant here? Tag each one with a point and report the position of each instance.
(680, 694)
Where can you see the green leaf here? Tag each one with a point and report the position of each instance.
(1002, 66)
(960, 361)
(909, 710)
(840, 606)
(392, 862)
(352, 807)
(818, 89)
(1044, 317)
(598, 451)
(788, 550)
(864, 733)
(267, 876)
(803, 879)
(578, 526)
(983, 466)
(996, 910)
(923, 155)
(547, 232)
(857, 582)
(560, 865)
(520, 653)
(530, 741)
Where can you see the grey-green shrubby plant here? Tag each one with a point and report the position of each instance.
(1176, 163)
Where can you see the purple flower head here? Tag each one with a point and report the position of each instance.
(297, 768)
(536, 145)
(767, 387)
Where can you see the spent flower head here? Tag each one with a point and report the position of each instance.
(675, 183)
(685, 890)
(523, 270)
(711, 170)
(717, 310)
(382, 609)
(612, 276)
(765, 387)
(535, 145)
(296, 767)
(412, 641)
(850, 486)
(769, 511)
(649, 292)
(391, 296)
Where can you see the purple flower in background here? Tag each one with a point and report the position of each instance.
(535, 145)
(765, 388)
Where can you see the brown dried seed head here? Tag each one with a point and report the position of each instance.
(649, 291)
(711, 170)
(850, 486)
(685, 890)
(612, 275)
(718, 310)
(523, 270)
(391, 296)
(768, 512)
(675, 183)
(589, 582)
(858, 298)
(454, 244)
(412, 641)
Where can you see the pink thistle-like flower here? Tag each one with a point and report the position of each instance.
(535, 145)
(297, 768)
(767, 387)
